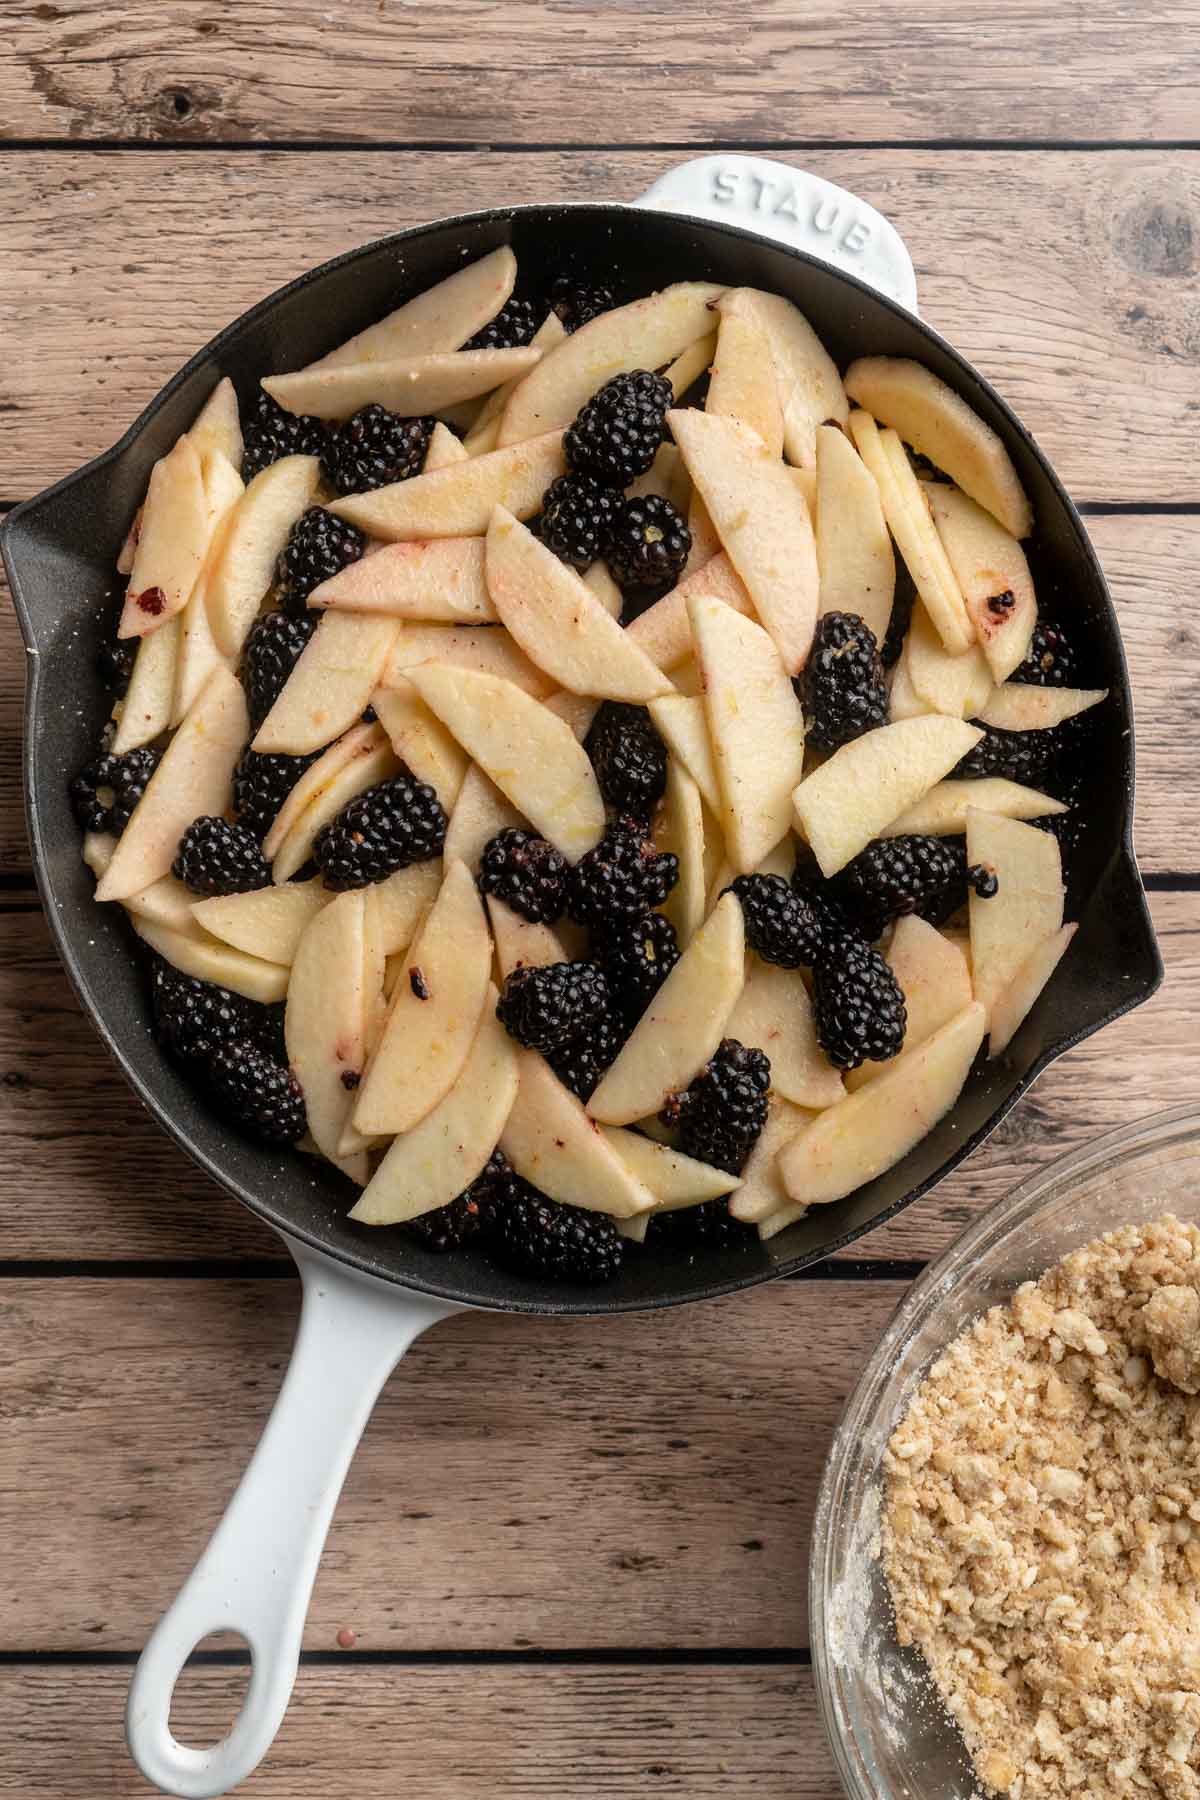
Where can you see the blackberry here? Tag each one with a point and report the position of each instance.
(842, 689)
(545, 1008)
(215, 857)
(725, 1107)
(637, 957)
(104, 794)
(621, 878)
(114, 664)
(392, 824)
(375, 448)
(254, 1091)
(859, 1005)
(1022, 756)
(578, 303)
(903, 601)
(192, 1019)
(580, 1064)
(270, 433)
(894, 876)
(526, 872)
(536, 1236)
(1051, 659)
(272, 651)
(577, 518)
(782, 925)
(450, 1227)
(629, 757)
(649, 544)
(261, 784)
(513, 327)
(318, 547)
(711, 1224)
(616, 434)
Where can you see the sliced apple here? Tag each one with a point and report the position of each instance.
(548, 336)
(171, 543)
(442, 318)
(675, 1180)
(1022, 706)
(762, 1195)
(559, 623)
(325, 1017)
(683, 723)
(935, 421)
(871, 1131)
(854, 548)
(422, 742)
(690, 365)
(942, 812)
(866, 784)
(268, 922)
(936, 981)
(743, 384)
(355, 1168)
(551, 1141)
(441, 581)
(360, 742)
(1014, 1003)
(575, 710)
(375, 955)
(402, 900)
(331, 684)
(533, 757)
(958, 685)
(904, 702)
(373, 761)
(666, 477)
(809, 384)
(775, 1015)
(98, 847)
(479, 647)
(146, 711)
(663, 630)
(199, 653)
(460, 500)
(599, 582)
(195, 776)
(644, 335)
(483, 441)
(444, 449)
(1027, 908)
(258, 530)
(218, 425)
(128, 550)
(167, 902)
(523, 943)
(407, 385)
(706, 539)
(992, 572)
(683, 1024)
(763, 523)
(479, 813)
(209, 960)
(679, 829)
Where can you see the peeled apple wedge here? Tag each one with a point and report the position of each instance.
(171, 543)
(199, 652)
(550, 1140)
(666, 477)
(269, 922)
(407, 385)
(373, 762)
(600, 583)
(443, 450)
(1015, 1002)
(422, 742)
(258, 530)
(440, 580)
(904, 702)
(680, 830)
(942, 812)
(675, 1180)
(682, 722)
(810, 387)
(871, 1130)
(958, 685)
(1023, 706)
(664, 632)
(362, 741)
(743, 384)
(331, 684)
(854, 549)
(479, 647)
(324, 1021)
(1026, 910)
(522, 943)
(548, 336)
(442, 318)
(869, 782)
(690, 365)
(209, 960)
(168, 902)
(933, 974)
(148, 700)
(762, 1195)
(775, 1015)
(643, 335)
(992, 572)
(683, 1024)
(401, 902)
(218, 426)
(479, 813)
(459, 501)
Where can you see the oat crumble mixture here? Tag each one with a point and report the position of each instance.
(1042, 1525)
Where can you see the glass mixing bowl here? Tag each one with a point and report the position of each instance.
(891, 1738)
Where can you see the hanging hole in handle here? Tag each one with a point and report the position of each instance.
(211, 1691)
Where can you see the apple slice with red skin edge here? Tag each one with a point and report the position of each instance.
(548, 336)
(755, 726)
(690, 365)
(330, 685)
(942, 812)
(675, 1180)
(258, 530)
(959, 686)
(523, 943)
(434, 1012)
(439, 581)
(422, 742)
(663, 630)
(479, 647)
(376, 764)
(992, 571)
(410, 386)
(743, 384)
(942, 427)
(810, 387)
(268, 922)
(401, 901)
(1023, 706)
(442, 318)
(863, 786)
(442, 451)
(682, 722)
(218, 424)
(762, 1194)
(171, 543)
(643, 335)
(682, 1026)
(763, 523)
(362, 741)
(193, 953)
(1012, 1006)
(146, 709)
(559, 623)
(1027, 907)
(550, 1141)
(532, 756)
(936, 982)
(325, 1017)
(872, 1130)
(904, 702)
(195, 776)
(854, 549)
(441, 1156)
(666, 477)
(599, 582)
(775, 1015)
(679, 830)
(168, 902)
(459, 501)
(479, 813)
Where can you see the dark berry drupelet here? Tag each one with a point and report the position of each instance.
(375, 448)
(903, 601)
(649, 544)
(255, 1092)
(577, 518)
(578, 302)
(580, 1064)
(617, 432)
(859, 1004)
(782, 926)
(710, 1224)
(724, 1109)
(394, 823)
(894, 876)
(215, 857)
(513, 327)
(467, 1216)
(535, 1236)
(272, 651)
(842, 689)
(192, 1019)
(637, 957)
(623, 877)
(526, 872)
(629, 757)
(1051, 659)
(114, 663)
(317, 549)
(545, 1008)
(104, 794)
(270, 433)
(1022, 756)
(261, 784)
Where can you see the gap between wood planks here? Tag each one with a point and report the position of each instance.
(665, 147)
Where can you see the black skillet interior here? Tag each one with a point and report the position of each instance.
(61, 549)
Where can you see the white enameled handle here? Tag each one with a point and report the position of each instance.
(257, 1573)
(795, 208)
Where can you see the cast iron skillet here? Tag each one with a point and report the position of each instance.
(60, 550)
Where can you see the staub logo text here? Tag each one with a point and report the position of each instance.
(745, 191)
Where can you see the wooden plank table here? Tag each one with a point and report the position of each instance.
(585, 1579)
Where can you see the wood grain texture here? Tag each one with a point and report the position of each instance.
(524, 1483)
(1070, 279)
(653, 70)
(373, 1732)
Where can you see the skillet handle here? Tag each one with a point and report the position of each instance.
(803, 211)
(256, 1575)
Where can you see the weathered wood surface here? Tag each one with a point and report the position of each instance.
(1069, 278)
(468, 1733)
(647, 1481)
(85, 1173)
(650, 70)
